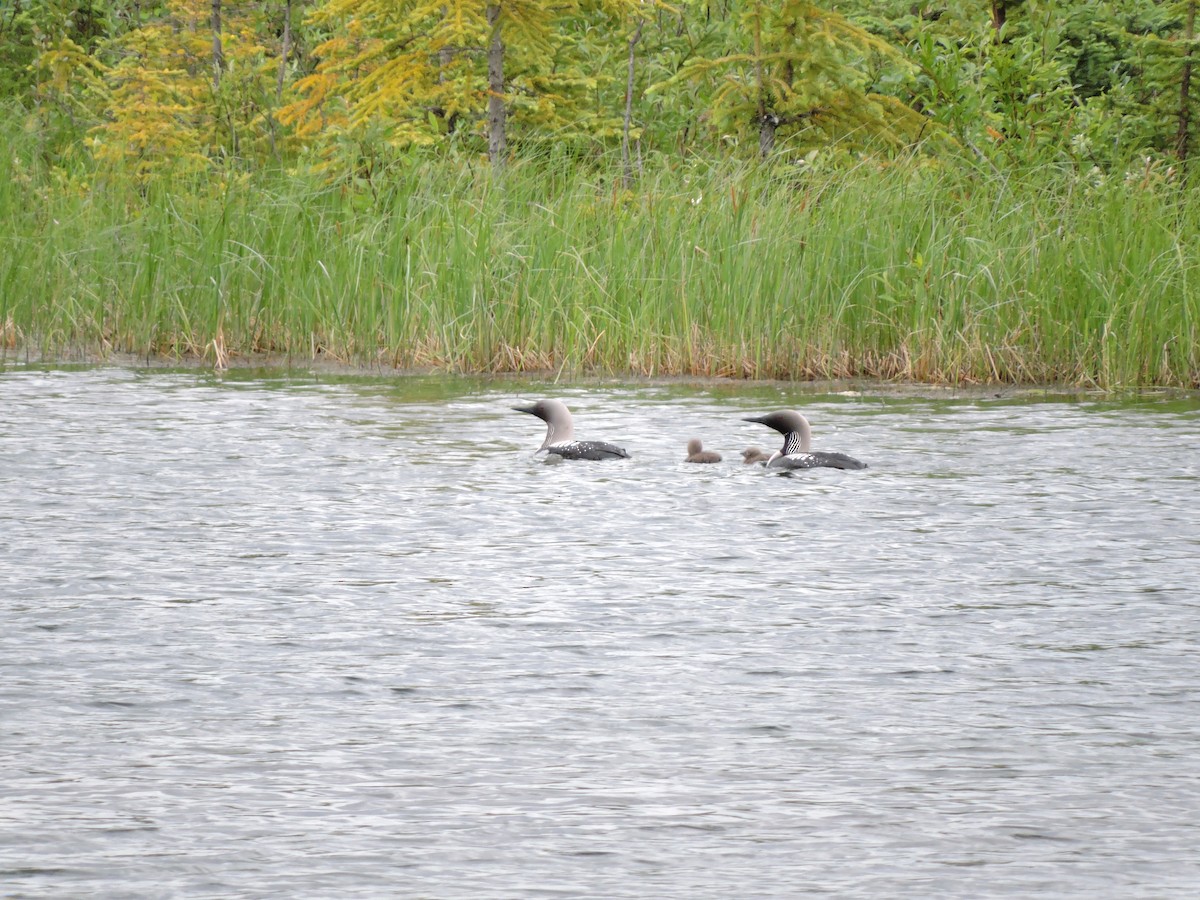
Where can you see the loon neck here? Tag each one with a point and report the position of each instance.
(560, 428)
(797, 441)
(558, 433)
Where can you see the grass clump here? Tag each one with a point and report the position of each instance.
(908, 271)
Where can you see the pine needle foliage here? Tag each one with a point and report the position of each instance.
(797, 73)
(415, 72)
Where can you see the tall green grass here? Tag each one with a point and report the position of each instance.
(912, 271)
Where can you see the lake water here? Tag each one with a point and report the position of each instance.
(267, 636)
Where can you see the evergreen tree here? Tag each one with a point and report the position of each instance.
(417, 71)
(180, 91)
(798, 69)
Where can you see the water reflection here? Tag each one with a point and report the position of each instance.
(272, 636)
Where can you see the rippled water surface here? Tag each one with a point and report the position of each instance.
(300, 637)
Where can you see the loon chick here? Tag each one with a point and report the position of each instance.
(754, 455)
(560, 434)
(797, 438)
(697, 453)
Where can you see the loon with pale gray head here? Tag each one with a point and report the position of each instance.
(797, 441)
(560, 434)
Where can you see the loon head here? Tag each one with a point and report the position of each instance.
(694, 446)
(559, 429)
(797, 434)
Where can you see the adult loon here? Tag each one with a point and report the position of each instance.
(560, 434)
(697, 453)
(797, 439)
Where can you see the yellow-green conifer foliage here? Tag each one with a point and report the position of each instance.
(163, 110)
(64, 75)
(416, 71)
(797, 74)
(63, 64)
(151, 97)
(405, 67)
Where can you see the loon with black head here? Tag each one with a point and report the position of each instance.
(560, 434)
(797, 441)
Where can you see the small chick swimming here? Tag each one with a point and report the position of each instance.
(560, 434)
(697, 453)
(797, 440)
(755, 456)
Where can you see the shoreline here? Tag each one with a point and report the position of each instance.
(281, 364)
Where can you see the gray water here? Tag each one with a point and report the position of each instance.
(294, 637)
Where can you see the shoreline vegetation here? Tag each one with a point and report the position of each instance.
(913, 270)
(942, 192)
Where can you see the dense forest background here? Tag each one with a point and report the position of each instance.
(935, 190)
(164, 86)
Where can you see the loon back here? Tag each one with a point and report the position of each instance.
(587, 450)
(814, 459)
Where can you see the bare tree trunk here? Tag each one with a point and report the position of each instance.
(1182, 137)
(445, 54)
(497, 140)
(766, 119)
(766, 134)
(625, 160)
(445, 58)
(769, 122)
(218, 53)
(284, 50)
(999, 14)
